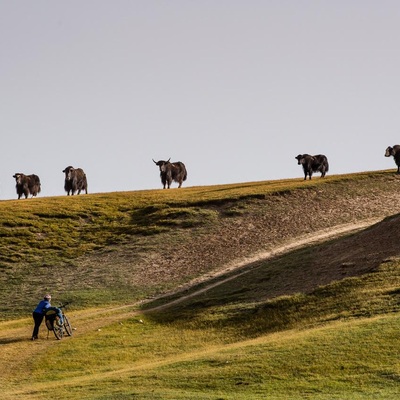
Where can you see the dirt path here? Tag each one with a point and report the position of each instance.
(17, 351)
(21, 392)
(111, 314)
(237, 266)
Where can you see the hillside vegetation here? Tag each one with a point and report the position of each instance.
(277, 289)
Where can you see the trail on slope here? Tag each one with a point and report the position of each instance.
(17, 352)
(237, 267)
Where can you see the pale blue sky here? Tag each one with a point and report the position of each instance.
(234, 89)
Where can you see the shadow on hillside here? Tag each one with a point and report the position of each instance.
(299, 271)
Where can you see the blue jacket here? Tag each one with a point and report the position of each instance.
(42, 306)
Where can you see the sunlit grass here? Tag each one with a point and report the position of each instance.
(225, 307)
(234, 341)
(343, 360)
(49, 235)
(49, 230)
(339, 342)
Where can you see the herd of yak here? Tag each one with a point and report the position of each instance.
(76, 182)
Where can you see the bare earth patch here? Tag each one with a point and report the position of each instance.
(265, 227)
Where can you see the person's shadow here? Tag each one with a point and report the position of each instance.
(12, 340)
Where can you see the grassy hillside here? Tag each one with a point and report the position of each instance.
(176, 295)
(115, 248)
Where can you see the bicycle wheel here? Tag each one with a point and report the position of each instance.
(58, 330)
(67, 326)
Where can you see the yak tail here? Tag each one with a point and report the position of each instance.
(327, 166)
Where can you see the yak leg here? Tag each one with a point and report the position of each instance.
(307, 173)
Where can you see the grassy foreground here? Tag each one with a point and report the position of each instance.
(343, 360)
(338, 340)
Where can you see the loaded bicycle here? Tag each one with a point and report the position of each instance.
(57, 321)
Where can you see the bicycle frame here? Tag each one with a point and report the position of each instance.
(52, 323)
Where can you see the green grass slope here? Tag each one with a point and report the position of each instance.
(165, 305)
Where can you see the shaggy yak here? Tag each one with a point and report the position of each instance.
(317, 163)
(169, 172)
(395, 152)
(27, 184)
(75, 180)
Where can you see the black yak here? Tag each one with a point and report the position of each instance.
(395, 152)
(169, 172)
(317, 163)
(75, 180)
(27, 184)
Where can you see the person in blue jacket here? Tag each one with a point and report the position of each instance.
(38, 314)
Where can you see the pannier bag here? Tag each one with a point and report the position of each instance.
(53, 313)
